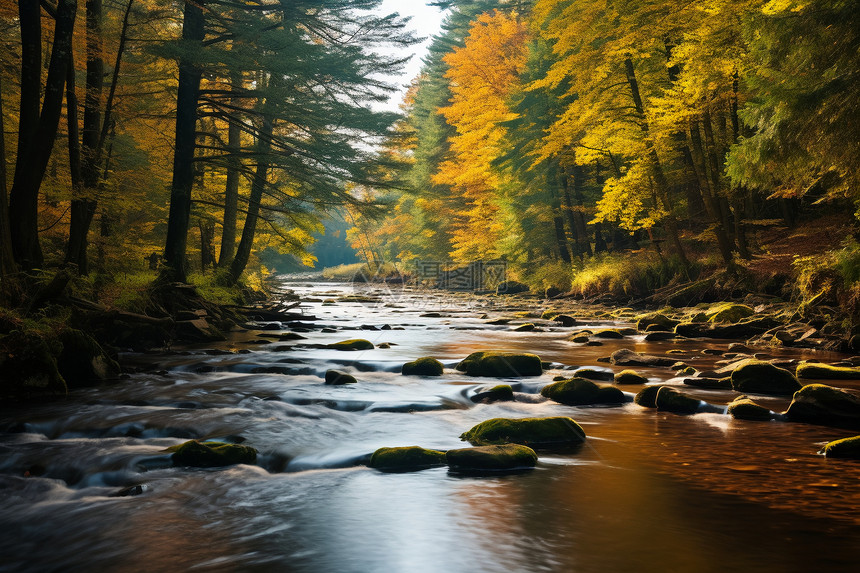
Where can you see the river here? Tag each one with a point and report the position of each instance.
(85, 484)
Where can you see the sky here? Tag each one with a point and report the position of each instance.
(426, 21)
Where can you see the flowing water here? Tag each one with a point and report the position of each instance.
(85, 484)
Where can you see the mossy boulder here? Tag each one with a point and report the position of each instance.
(211, 454)
(549, 314)
(844, 448)
(506, 457)
(671, 400)
(647, 397)
(565, 320)
(28, 368)
(647, 322)
(406, 459)
(593, 374)
(630, 377)
(827, 372)
(759, 377)
(352, 344)
(511, 287)
(83, 361)
(533, 432)
(609, 333)
(500, 393)
(742, 408)
(527, 327)
(729, 312)
(338, 378)
(825, 405)
(426, 366)
(501, 364)
(626, 357)
(582, 392)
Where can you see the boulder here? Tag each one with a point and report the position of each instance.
(527, 327)
(663, 322)
(338, 378)
(608, 333)
(406, 459)
(647, 397)
(825, 405)
(501, 364)
(532, 432)
(211, 454)
(28, 368)
(827, 372)
(592, 374)
(505, 457)
(757, 377)
(565, 320)
(626, 357)
(659, 336)
(630, 377)
(83, 361)
(582, 392)
(742, 408)
(729, 312)
(511, 287)
(709, 383)
(744, 329)
(426, 366)
(844, 448)
(352, 344)
(500, 393)
(671, 400)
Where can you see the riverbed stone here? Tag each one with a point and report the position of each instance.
(671, 400)
(426, 366)
(661, 321)
(501, 364)
(339, 378)
(729, 312)
(352, 345)
(743, 408)
(500, 393)
(609, 333)
(647, 397)
(659, 336)
(527, 327)
(537, 433)
(565, 320)
(511, 287)
(743, 329)
(593, 374)
(708, 383)
(504, 457)
(844, 448)
(406, 459)
(626, 357)
(211, 454)
(827, 372)
(758, 377)
(630, 377)
(582, 392)
(825, 405)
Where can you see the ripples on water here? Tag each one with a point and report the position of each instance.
(85, 485)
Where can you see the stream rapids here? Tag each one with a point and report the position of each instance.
(85, 484)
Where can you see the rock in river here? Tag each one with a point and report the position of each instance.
(501, 364)
(672, 400)
(742, 408)
(338, 378)
(500, 393)
(626, 357)
(533, 432)
(757, 377)
(582, 392)
(827, 372)
(844, 448)
(211, 454)
(426, 366)
(825, 405)
(353, 344)
(492, 458)
(647, 397)
(406, 459)
(630, 377)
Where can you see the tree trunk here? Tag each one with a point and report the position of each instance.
(580, 241)
(243, 251)
(657, 173)
(231, 189)
(193, 32)
(7, 258)
(207, 241)
(561, 239)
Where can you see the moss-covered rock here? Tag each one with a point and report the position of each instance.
(593, 374)
(647, 397)
(742, 408)
(579, 338)
(511, 287)
(527, 327)
(211, 454)
(501, 364)
(609, 333)
(659, 336)
(28, 368)
(645, 322)
(533, 432)
(406, 459)
(827, 372)
(504, 457)
(729, 312)
(426, 366)
(338, 378)
(565, 320)
(630, 377)
(549, 314)
(582, 392)
(500, 393)
(844, 448)
(352, 344)
(671, 400)
(83, 360)
(825, 405)
(758, 377)
(626, 357)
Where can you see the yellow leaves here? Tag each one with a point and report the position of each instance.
(775, 7)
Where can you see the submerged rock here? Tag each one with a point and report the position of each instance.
(630, 377)
(827, 372)
(647, 397)
(338, 378)
(825, 405)
(504, 457)
(844, 448)
(500, 393)
(405, 459)
(582, 392)
(352, 344)
(757, 377)
(426, 366)
(501, 364)
(211, 454)
(672, 400)
(742, 408)
(533, 432)
(626, 357)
